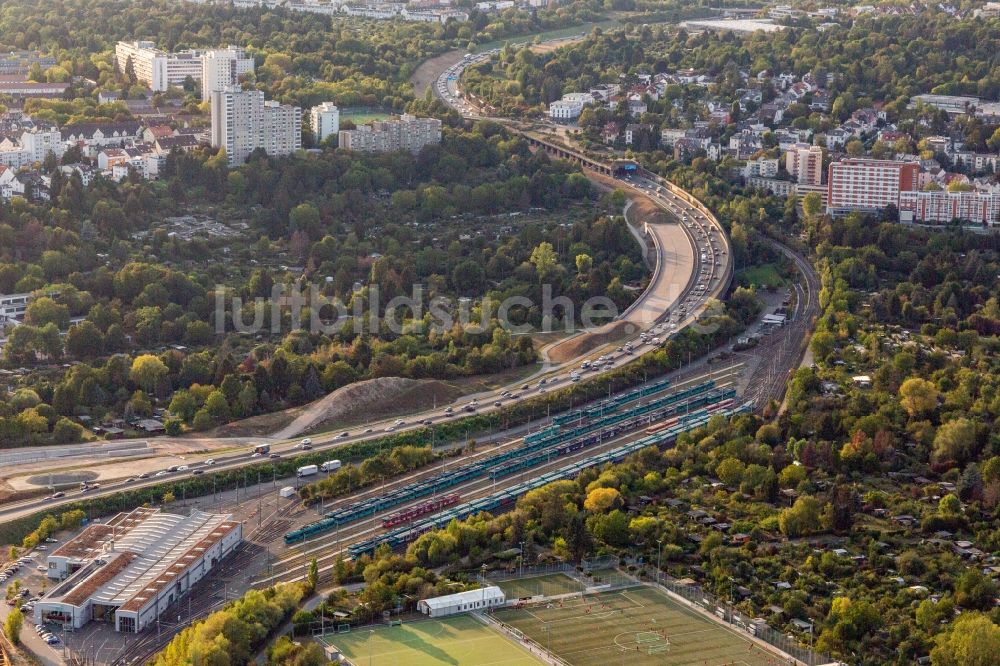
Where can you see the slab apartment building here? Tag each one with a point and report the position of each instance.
(386, 136)
(160, 70)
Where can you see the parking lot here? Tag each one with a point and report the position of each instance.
(25, 581)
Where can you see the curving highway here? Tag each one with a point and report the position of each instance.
(693, 267)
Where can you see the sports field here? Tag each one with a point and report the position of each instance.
(639, 626)
(548, 585)
(365, 117)
(457, 641)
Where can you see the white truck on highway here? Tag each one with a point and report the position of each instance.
(330, 465)
(307, 470)
(287, 491)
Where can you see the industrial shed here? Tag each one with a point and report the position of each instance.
(463, 602)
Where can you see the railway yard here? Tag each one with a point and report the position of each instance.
(496, 478)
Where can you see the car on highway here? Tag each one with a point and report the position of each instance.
(57, 495)
(183, 468)
(343, 434)
(144, 475)
(162, 472)
(256, 454)
(390, 429)
(198, 472)
(274, 455)
(210, 461)
(305, 442)
(130, 479)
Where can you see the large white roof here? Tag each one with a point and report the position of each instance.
(468, 597)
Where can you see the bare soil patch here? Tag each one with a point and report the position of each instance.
(425, 75)
(378, 399)
(587, 342)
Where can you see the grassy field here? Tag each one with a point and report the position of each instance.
(456, 641)
(548, 585)
(762, 276)
(640, 626)
(364, 117)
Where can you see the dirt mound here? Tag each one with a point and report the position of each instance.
(644, 210)
(377, 399)
(361, 402)
(581, 344)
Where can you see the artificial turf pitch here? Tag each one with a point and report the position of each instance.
(639, 626)
(547, 585)
(460, 640)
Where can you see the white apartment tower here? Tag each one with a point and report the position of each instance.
(325, 120)
(223, 67)
(805, 163)
(242, 122)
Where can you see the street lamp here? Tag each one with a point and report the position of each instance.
(659, 543)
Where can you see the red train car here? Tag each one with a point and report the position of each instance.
(719, 406)
(414, 512)
(662, 425)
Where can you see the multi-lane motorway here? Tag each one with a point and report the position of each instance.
(685, 280)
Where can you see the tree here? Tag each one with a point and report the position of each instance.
(184, 404)
(802, 518)
(44, 310)
(545, 261)
(822, 344)
(600, 500)
(468, 277)
(578, 540)
(955, 441)
(584, 263)
(918, 396)
(973, 639)
(305, 218)
(147, 370)
(313, 579)
(12, 625)
(168, 497)
(975, 591)
(950, 505)
(217, 406)
(730, 472)
(66, 431)
(855, 148)
(812, 204)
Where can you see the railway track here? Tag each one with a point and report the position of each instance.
(782, 352)
(327, 547)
